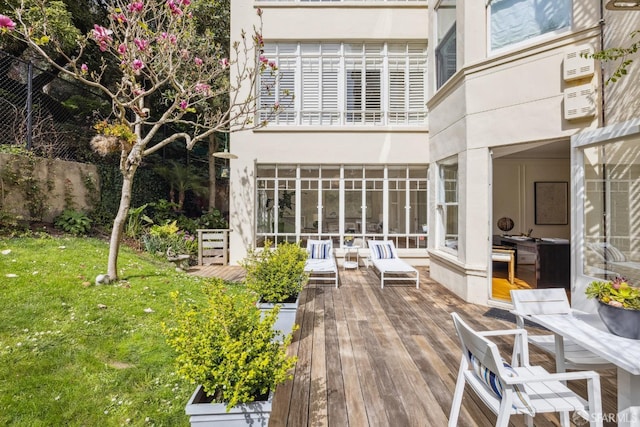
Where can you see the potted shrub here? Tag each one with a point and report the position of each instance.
(618, 306)
(227, 347)
(277, 276)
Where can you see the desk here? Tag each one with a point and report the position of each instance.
(552, 259)
(588, 331)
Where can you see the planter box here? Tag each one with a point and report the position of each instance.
(203, 413)
(286, 316)
(622, 322)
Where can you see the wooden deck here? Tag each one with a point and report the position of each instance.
(386, 357)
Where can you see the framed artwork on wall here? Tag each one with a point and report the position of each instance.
(551, 203)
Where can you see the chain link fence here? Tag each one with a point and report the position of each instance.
(46, 113)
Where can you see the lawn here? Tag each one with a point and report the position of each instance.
(76, 354)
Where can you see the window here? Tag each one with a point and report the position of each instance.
(338, 201)
(448, 205)
(345, 84)
(445, 51)
(611, 230)
(514, 21)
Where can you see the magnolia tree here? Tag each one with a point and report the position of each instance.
(159, 55)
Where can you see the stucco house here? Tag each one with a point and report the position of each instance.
(426, 122)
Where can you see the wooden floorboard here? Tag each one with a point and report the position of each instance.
(385, 357)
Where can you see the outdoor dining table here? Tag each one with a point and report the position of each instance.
(587, 330)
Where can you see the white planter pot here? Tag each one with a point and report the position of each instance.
(286, 316)
(204, 414)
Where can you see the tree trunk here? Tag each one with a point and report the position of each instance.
(119, 222)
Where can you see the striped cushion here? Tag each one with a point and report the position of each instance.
(319, 250)
(383, 251)
(521, 401)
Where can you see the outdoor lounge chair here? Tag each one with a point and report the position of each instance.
(321, 263)
(385, 259)
(510, 389)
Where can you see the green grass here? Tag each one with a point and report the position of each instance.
(76, 354)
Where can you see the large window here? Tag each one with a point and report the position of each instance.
(445, 51)
(330, 201)
(611, 209)
(448, 205)
(514, 21)
(343, 84)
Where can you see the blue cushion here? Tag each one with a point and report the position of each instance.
(383, 251)
(521, 401)
(319, 250)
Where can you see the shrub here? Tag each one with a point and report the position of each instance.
(73, 222)
(227, 346)
(276, 275)
(162, 237)
(212, 220)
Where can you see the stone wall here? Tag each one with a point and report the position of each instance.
(40, 189)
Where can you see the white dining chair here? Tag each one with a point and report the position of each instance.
(527, 302)
(519, 388)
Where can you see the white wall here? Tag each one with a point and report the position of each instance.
(320, 22)
(513, 193)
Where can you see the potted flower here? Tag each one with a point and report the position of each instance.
(227, 347)
(277, 276)
(618, 306)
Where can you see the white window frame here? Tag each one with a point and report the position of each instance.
(627, 131)
(529, 41)
(322, 109)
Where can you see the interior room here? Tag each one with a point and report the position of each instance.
(531, 217)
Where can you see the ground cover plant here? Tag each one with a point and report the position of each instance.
(76, 354)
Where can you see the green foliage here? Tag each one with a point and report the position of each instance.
(136, 221)
(620, 54)
(73, 222)
(276, 275)
(228, 346)
(53, 333)
(212, 220)
(162, 239)
(618, 293)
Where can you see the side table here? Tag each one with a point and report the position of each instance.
(349, 263)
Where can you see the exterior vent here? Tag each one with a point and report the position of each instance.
(576, 66)
(579, 102)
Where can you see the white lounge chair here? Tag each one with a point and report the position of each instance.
(385, 259)
(509, 389)
(321, 263)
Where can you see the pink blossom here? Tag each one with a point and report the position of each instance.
(170, 37)
(102, 36)
(186, 2)
(138, 91)
(198, 61)
(119, 18)
(122, 48)
(202, 87)
(137, 65)
(272, 64)
(175, 9)
(184, 104)
(84, 68)
(142, 44)
(6, 24)
(136, 6)
(259, 12)
(263, 59)
(224, 62)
